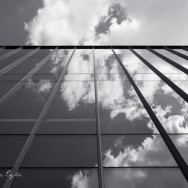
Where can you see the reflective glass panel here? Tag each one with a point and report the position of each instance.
(82, 62)
(168, 106)
(106, 62)
(181, 142)
(74, 100)
(120, 109)
(10, 148)
(62, 151)
(58, 178)
(164, 67)
(179, 60)
(147, 178)
(135, 150)
(16, 126)
(181, 51)
(27, 102)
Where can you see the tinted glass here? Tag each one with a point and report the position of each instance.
(27, 103)
(10, 148)
(74, 100)
(135, 150)
(147, 178)
(82, 62)
(58, 178)
(181, 142)
(120, 109)
(164, 67)
(62, 151)
(169, 107)
(106, 62)
(176, 58)
(16, 126)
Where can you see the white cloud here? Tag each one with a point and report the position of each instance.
(82, 62)
(79, 180)
(75, 92)
(85, 179)
(61, 22)
(151, 152)
(42, 86)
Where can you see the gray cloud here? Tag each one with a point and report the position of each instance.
(115, 11)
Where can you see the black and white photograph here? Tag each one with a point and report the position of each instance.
(93, 94)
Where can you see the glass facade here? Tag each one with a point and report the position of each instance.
(93, 117)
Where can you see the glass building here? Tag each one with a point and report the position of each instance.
(93, 117)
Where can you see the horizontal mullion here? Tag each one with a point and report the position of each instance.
(102, 134)
(76, 167)
(91, 47)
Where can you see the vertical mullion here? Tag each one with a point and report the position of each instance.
(178, 90)
(176, 53)
(99, 143)
(175, 153)
(15, 88)
(42, 115)
(171, 62)
(12, 52)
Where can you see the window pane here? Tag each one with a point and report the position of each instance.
(164, 67)
(74, 100)
(111, 77)
(54, 66)
(7, 61)
(135, 150)
(58, 178)
(28, 102)
(140, 71)
(79, 77)
(41, 53)
(10, 147)
(23, 52)
(157, 62)
(173, 57)
(26, 66)
(65, 126)
(132, 63)
(62, 151)
(106, 62)
(147, 178)
(168, 106)
(181, 51)
(120, 109)
(72, 110)
(16, 126)
(82, 62)
(4, 51)
(5, 87)
(181, 142)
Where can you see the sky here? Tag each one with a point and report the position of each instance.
(93, 22)
(103, 22)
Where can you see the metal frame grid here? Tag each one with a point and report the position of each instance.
(165, 136)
